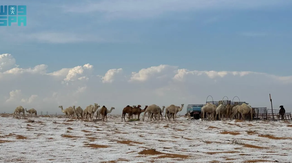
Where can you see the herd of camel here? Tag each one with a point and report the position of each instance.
(153, 111)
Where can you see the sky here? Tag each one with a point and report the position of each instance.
(129, 52)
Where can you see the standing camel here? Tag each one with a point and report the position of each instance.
(31, 111)
(78, 112)
(208, 108)
(19, 110)
(69, 112)
(221, 111)
(137, 111)
(98, 112)
(157, 116)
(127, 110)
(103, 112)
(152, 110)
(245, 109)
(282, 112)
(172, 110)
(90, 110)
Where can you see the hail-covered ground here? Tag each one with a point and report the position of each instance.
(59, 139)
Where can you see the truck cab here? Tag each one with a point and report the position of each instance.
(195, 110)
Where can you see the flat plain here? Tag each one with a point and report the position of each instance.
(58, 139)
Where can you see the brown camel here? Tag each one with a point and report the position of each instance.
(103, 113)
(137, 110)
(127, 110)
(282, 112)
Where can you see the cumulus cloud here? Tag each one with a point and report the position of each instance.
(14, 95)
(162, 84)
(6, 62)
(110, 75)
(156, 72)
(72, 74)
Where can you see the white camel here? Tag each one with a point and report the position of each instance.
(31, 111)
(234, 111)
(172, 110)
(152, 110)
(69, 112)
(90, 110)
(221, 111)
(245, 109)
(78, 112)
(158, 116)
(18, 110)
(98, 112)
(209, 108)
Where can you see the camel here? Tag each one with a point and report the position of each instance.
(78, 112)
(103, 112)
(90, 110)
(229, 110)
(108, 111)
(19, 110)
(69, 112)
(221, 111)
(127, 110)
(234, 111)
(208, 108)
(152, 110)
(245, 109)
(157, 116)
(135, 108)
(137, 111)
(282, 112)
(31, 111)
(172, 110)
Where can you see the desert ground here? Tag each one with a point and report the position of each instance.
(58, 139)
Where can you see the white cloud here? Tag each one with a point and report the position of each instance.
(31, 99)
(72, 74)
(153, 8)
(39, 69)
(162, 85)
(6, 62)
(14, 95)
(157, 72)
(110, 75)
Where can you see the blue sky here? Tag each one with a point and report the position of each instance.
(222, 35)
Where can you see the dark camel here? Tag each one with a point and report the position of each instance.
(282, 112)
(127, 110)
(103, 112)
(137, 110)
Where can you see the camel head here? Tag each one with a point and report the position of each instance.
(96, 106)
(146, 106)
(112, 108)
(182, 106)
(61, 107)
